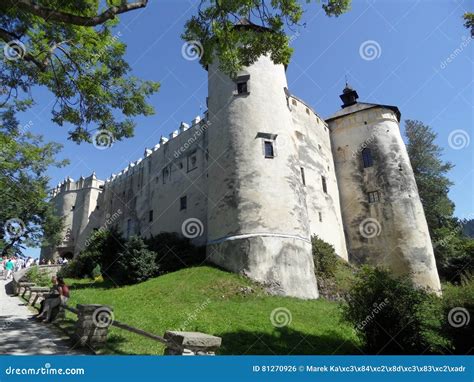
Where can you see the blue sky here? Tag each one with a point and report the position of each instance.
(413, 54)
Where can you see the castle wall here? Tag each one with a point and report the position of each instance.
(393, 231)
(315, 157)
(157, 183)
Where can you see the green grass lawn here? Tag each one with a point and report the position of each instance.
(215, 302)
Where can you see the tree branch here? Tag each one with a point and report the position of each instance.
(8, 37)
(68, 18)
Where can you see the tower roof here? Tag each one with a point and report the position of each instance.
(350, 105)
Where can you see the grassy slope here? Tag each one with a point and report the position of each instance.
(211, 301)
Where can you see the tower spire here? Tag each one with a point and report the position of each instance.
(349, 96)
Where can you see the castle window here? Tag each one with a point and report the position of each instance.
(324, 183)
(183, 203)
(101, 187)
(319, 147)
(307, 111)
(367, 158)
(150, 216)
(73, 208)
(320, 216)
(242, 85)
(97, 207)
(268, 147)
(180, 165)
(192, 161)
(303, 179)
(374, 196)
(166, 175)
(293, 101)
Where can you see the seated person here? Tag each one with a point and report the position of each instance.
(59, 294)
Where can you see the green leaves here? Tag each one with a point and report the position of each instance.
(237, 32)
(83, 67)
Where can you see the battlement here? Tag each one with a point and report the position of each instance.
(197, 121)
(69, 184)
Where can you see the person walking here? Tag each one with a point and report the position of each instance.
(9, 266)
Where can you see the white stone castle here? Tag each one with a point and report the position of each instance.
(257, 177)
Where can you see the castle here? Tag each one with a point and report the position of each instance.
(260, 174)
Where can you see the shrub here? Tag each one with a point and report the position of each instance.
(324, 257)
(392, 316)
(40, 278)
(73, 269)
(136, 263)
(458, 309)
(174, 252)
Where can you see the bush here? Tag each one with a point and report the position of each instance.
(174, 252)
(39, 278)
(135, 264)
(73, 269)
(324, 257)
(458, 309)
(392, 316)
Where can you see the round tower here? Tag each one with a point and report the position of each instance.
(382, 212)
(257, 215)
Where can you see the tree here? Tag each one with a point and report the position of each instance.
(469, 22)
(237, 32)
(452, 252)
(25, 215)
(68, 47)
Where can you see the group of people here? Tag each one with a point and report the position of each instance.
(8, 265)
(57, 296)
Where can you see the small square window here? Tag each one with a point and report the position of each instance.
(293, 101)
(374, 196)
(183, 203)
(180, 165)
(73, 208)
(192, 161)
(307, 111)
(150, 216)
(319, 147)
(242, 87)
(269, 152)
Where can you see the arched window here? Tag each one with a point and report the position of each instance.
(367, 158)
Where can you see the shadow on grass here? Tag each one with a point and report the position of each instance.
(286, 341)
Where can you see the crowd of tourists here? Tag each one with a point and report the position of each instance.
(9, 265)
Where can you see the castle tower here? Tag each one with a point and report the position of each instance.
(383, 216)
(257, 217)
(75, 202)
